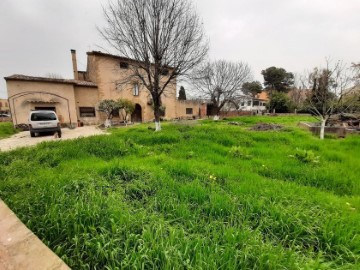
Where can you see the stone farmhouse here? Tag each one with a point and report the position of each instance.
(76, 100)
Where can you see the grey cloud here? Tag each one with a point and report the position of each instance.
(36, 36)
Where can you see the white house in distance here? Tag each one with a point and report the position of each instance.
(255, 104)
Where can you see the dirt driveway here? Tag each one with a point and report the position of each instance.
(23, 139)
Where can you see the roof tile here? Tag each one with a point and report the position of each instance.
(20, 77)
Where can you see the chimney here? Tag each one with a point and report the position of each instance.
(74, 63)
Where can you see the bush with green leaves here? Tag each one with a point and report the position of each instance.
(238, 152)
(281, 103)
(127, 107)
(109, 107)
(306, 156)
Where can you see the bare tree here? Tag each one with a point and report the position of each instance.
(330, 89)
(221, 82)
(297, 94)
(165, 38)
(356, 69)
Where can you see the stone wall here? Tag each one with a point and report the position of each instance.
(339, 131)
(235, 113)
(190, 109)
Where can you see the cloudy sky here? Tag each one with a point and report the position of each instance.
(36, 35)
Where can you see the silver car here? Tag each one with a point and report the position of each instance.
(44, 121)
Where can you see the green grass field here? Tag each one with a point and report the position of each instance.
(6, 129)
(197, 195)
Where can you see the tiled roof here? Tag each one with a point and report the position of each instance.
(19, 77)
(263, 96)
(121, 58)
(110, 55)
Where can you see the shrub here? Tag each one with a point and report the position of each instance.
(306, 156)
(109, 107)
(237, 152)
(190, 154)
(281, 103)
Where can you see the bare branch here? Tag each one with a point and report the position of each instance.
(164, 37)
(221, 81)
(331, 90)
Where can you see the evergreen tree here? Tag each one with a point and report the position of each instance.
(277, 79)
(252, 88)
(182, 94)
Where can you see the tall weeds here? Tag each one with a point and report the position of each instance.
(205, 196)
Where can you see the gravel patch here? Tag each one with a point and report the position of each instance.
(266, 127)
(23, 139)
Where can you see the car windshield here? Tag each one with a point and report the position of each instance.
(43, 116)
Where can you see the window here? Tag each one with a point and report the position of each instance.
(256, 103)
(45, 109)
(189, 110)
(87, 111)
(124, 65)
(136, 90)
(165, 72)
(43, 116)
(242, 104)
(249, 103)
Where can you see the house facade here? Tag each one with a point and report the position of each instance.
(255, 104)
(77, 100)
(4, 106)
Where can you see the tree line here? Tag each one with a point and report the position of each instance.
(166, 38)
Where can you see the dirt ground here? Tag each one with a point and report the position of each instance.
(23, 139)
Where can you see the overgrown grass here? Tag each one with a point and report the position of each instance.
(7, 129)
(205, 196)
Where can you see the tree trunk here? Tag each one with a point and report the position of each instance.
(157, 112)
(157, 121)
(157, 126)
(217, 113)
(322, 128)
(107, 123)
(157, 116)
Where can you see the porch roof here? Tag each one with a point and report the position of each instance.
(20, 77)
(42, 101)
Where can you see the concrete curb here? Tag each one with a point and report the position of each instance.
(20, 249)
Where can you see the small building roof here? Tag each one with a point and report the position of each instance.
(20, 77)
(118, 57)
(122, 58)
(263, 96)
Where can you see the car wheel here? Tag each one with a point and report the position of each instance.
(32, 134)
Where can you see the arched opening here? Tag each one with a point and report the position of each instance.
(40, 104)
(136, 116)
